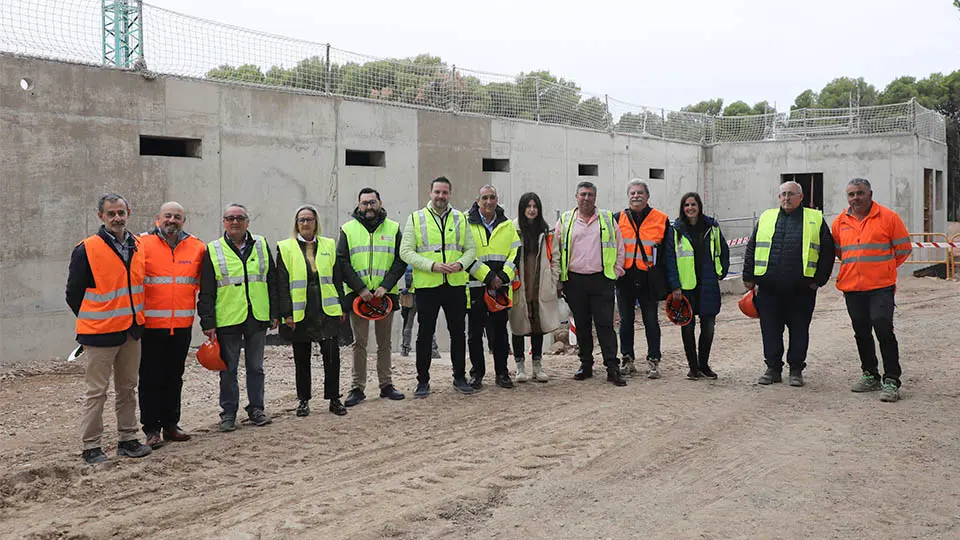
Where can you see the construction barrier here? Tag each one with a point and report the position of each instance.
(932, 248)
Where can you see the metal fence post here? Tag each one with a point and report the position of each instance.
(608, 118)
(453, 88)
(537, 93)
(326, 71)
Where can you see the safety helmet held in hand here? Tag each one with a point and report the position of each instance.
(679, 312)
(375, 309)
(748, 306)
(209, 356)
(497, 299)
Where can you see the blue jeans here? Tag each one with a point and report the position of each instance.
(252, 343)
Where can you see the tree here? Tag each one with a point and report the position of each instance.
(593, 113)
(844, 92)
(247, 73)
(737, 108)
(711, 107)
(900, 90)
(806, 100)
(763, 107)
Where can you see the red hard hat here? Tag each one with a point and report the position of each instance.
(516, 284)
(497, 300)
(748, 306)
(209, 356)
(375, 309)
(678, 311)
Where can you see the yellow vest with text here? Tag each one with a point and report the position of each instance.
(812, 221)
(372, 254)
(608, 242)
(296, 265)
(236, 280)
(686, 263)
(443, 246)
(501, 247)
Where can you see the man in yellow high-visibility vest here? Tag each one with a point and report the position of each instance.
(368, 253)
(438, 245)
(789, 256)
(237, 303)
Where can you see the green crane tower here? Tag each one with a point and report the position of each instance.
(122, 32)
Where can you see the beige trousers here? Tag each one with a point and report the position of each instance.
(124, 362)
(361, 335)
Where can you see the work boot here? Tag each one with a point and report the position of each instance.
(503, 381)
(890, 392)
(258, 418)
(94, 455)
(354, 397)
(654, 368)
(795, 378)
(521, 374)
(627, 367)
(228, 424)
(613, 376)
(538, 374)
(337, 408)
(770, 376)
(868, 383)
(133, 449)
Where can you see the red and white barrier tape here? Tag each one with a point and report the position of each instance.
(736, 242)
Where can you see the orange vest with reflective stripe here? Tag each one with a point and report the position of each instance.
(172, 281)
(117, 299)
(870, 250)
(651, 234)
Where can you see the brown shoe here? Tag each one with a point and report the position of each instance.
(153, 440)
(174, 433)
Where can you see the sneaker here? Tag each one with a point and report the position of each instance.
(133, 449)
(614, 376)
(770, 376)
(628, 368)
(654, 365)
(868, 383)
(435, 354)
(390, 392)
(258, 418)
(891, 392)
(539, 374)
(303, 409)
(354, 397)
(94, 455)
(504, 381)
(708, 373)
(337, 408)
(422, 391)
(228, 424)
(521, 372)
(404, 350)
(475, 383)
(461, 385)
(795, 378)
(694, 375)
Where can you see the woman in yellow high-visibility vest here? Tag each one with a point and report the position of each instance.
(697, 259)
(309, 291)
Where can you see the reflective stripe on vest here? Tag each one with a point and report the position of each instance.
(812, 222)
(608, 243)
(445, 246)
(236, 280)
(115, 303)
(296, 265)
(651, 234)
(372, 254)
(686, 261)
(172, 281)
(500, 247)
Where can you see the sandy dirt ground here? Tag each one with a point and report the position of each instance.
(581, 460)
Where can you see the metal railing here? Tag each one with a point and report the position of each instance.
(931, 255)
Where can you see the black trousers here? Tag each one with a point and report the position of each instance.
(697, 358)
(536, 346)
(627, 296)
(590, 297)
(330, 353)
(792, 309)
(162, 357)
(481, 321)
(872, 312)
(453, 301)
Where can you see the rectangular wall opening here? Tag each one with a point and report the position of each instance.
(588, 169)
(151, 145)
(496, 165)
(928, 200)
(812, 184)
(657, 174)
(366, 158)
(938, 195)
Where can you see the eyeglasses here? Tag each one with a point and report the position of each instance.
(231, 219)
(305, 220)
(367, 203)
(786, 194)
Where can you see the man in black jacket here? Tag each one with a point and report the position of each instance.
(790, 255)
(369, 244)
(105, 291)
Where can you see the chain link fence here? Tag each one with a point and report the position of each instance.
(184, 46)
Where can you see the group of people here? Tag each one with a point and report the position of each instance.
(136, 297)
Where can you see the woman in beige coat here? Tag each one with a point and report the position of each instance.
(534, 312)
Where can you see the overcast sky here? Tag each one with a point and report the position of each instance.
(658, 53)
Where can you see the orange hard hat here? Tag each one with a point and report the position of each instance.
(209, 356)
(679, 312)
(516, 284)
(748, 306)
(497, 299)
(375, 309)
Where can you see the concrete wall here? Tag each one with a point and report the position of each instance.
(75, 135)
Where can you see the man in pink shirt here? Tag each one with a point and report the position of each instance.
(589, 258)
